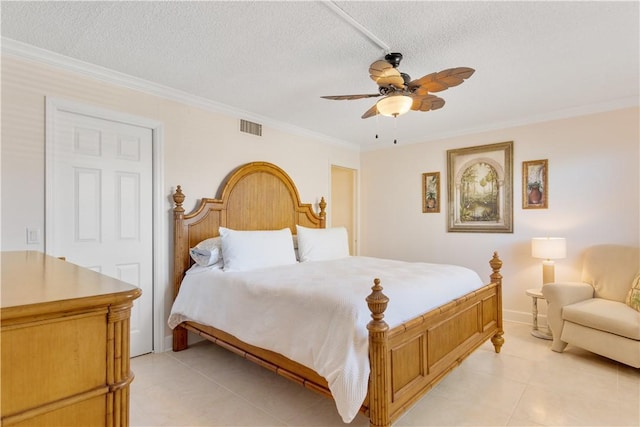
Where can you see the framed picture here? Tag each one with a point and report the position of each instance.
(535, 184)
(480, 188)
(431, 192)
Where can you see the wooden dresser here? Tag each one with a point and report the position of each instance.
(65, 343)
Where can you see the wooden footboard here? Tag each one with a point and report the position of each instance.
(410, 359)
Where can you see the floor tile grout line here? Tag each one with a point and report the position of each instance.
(515, 407)
(284, 422)
(239, 395)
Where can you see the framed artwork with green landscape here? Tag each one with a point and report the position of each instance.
(480, 188)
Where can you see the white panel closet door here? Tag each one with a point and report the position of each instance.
(102, 206)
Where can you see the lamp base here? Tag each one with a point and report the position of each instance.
(548, 272)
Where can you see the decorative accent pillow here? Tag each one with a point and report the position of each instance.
(633, 298)
(319, 244)
(207, 252)
(295, 247)
(249, 250)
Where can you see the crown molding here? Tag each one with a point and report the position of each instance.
(32, 53)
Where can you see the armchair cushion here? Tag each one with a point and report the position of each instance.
(633, 298)
(610, 269)
(605, 315)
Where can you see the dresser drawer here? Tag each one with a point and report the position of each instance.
(88, 413)
(52, 359)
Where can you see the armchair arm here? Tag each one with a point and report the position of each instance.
(565, 293)
(558, 295)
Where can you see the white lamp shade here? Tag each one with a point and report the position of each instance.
(394, 105)
(549, 247)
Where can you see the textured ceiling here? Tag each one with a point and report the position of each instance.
(271, 61)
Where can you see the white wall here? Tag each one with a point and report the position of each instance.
(594, 193)
(201, 148)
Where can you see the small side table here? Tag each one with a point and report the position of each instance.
(535, 295)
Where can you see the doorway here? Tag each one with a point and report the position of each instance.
(343, 203)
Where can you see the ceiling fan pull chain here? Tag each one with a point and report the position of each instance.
(377, 114)
(395, 128)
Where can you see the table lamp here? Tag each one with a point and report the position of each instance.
(548, 248)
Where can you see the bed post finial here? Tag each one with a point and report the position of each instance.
(178, 199)
(323, 213)
(496, 264)
(377, 302)
(380, 377)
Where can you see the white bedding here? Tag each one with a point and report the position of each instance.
(315, 313)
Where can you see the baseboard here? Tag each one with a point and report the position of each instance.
(523, 317)
(168, 343)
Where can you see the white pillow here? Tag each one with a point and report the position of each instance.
(207, 252)
(318, 244)
(248, 250)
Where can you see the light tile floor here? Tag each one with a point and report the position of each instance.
(527, 384)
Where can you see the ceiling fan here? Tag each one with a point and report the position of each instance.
(402, 94)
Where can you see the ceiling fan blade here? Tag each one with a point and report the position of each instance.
(384, 74)
(370, 112)
(436, 82)
(339, 97)
(426, 102)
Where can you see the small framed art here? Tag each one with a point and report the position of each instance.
(535, 184)
(431, 192)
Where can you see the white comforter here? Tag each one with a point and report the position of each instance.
(315, 312)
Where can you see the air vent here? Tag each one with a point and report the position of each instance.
(250, 127)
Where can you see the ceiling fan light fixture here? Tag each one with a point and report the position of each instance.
(394, 105)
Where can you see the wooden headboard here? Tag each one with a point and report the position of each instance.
(255, 196)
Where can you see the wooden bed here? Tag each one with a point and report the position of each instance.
(405, 361)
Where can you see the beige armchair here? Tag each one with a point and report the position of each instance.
(592, 314)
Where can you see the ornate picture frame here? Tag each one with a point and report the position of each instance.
(535, 184)
(480, 188)
(431, 192)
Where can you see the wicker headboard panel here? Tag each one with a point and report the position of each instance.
(256, 196)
